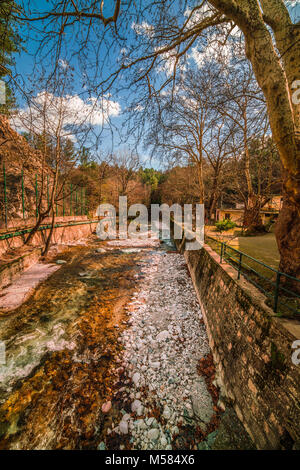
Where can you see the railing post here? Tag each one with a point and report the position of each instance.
(76, 209)
(221, 255)
(240, 265)
(36, 198)
(23, 200)
(63, 200)
(81, 208)
(85, 205)
(84, 202)
(275, 308)
(48, 192)
(5, 195)
(71, 199)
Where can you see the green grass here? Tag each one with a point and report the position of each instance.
(262, 247)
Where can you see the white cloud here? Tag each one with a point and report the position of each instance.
(63, 64)
(214, 51)
(139, 108)
(236, 32)
(168, 63)
(69, 112)
(197, 15)
(143, 28)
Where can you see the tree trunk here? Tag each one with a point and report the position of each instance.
(252, 218)
(213, 199)
(287, 232)
(39, 222)
(200, 181)
(49, 238)
(275, 73)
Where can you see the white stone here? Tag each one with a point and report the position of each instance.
(101, 250)
(123, 427)
(153, 434)
(140, 424)
(167, 412)
(135, 405)
(163, 335)
(136, 378)
(155, 365)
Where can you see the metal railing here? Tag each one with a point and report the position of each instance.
(18, 233)
(71, 202)
(280, 288)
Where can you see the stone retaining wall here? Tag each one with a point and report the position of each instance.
(11, 269)
(60, 235)
(252, 351)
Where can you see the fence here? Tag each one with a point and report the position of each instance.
(71, 201)
(280, 288)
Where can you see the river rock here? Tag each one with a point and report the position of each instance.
(140, 424)
(153, 434)
(123, 426)
(101, 446)
(162, 336)
(100, 250)
(106, 407)
(155, 365)
(202, 403)
(135, 405)
(167, 412)
(136, 378)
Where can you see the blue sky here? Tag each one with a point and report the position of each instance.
(26, 64)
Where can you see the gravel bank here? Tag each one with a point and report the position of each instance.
(161, 389)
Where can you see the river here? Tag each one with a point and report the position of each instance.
(111, 352)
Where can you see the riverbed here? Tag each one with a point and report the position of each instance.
(111, 352)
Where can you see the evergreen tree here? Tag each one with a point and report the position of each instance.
(10, 44)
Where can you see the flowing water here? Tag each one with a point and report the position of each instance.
(62, 345)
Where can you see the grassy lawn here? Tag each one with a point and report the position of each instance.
(262, 247)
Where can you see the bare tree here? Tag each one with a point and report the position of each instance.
(46, 120)
(126, 164)
(188, 125)
(271, 44)
(217, 153)
(243, 104)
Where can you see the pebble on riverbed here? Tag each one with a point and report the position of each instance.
(106, 407)
(162, 347)
(100, 250)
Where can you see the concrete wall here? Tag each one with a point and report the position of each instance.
(252, 351)
(61, 235)
(11, 269)
(22, 258)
